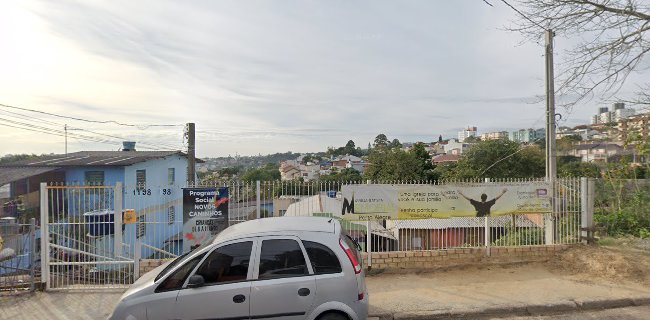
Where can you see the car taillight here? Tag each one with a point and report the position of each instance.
(350, 254)
(360, 296)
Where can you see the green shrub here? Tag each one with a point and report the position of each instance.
(532, 236)
(644, 233)
(623, 208)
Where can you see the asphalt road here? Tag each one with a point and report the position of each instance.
(629, 313)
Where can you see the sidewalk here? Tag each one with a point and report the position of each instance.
(604, 280)
(496, 290)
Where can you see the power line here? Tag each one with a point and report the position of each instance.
(145, 143)
(124, 139)
(50, 131)
(143, 126)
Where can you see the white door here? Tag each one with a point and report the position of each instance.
(285, 285)
(226, 292)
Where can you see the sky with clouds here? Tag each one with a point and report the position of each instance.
(266, 76)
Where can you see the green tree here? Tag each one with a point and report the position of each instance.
(425, 167)
(230, 171)
(8, 158)
(350, 148)
(472, 139)
(391, 164)
(566, 143)
(347, 174)
(381, 141)
(395, 144)
(268, 172)
(577, 169)
(499, 159)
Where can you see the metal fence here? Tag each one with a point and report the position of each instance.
(18, 258)
(88, 245)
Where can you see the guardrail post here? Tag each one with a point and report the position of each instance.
(117, 221)
(45, 237)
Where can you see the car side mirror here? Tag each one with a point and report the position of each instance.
(196, 281)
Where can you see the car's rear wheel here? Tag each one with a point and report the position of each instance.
(333, 316)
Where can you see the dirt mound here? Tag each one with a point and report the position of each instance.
(606, 263)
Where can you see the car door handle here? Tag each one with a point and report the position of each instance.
(303, 292)
(239, 298)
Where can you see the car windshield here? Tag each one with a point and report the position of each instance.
(180, 260)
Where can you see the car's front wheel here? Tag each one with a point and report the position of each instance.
(333, 316)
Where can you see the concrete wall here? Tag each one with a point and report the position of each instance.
(401, 261)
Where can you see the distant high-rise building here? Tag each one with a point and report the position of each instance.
(527, 135)
(469, 132)
(495, 135)
(595, 119)
(618, 113)
(606, 117)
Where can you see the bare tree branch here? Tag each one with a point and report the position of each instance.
(612, 42)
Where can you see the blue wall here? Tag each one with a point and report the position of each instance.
(78, 175)
(152, 205)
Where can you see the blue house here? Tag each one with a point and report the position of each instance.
(151, 181)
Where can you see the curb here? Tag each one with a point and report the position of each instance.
(530, 310)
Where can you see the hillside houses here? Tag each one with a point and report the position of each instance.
(294, 169)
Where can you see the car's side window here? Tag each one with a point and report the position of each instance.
(175, 280)
(323, 259)
(227, 264)
(281, 258)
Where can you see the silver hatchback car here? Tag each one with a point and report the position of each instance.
(273, 268)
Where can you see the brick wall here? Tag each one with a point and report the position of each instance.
(436, 259)
(440, 259)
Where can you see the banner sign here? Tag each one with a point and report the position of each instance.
(205, 214)
(404, 202)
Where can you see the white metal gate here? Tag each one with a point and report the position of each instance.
(82, 238)
(87, 245)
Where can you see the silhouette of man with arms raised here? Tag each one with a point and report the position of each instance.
(483, 207)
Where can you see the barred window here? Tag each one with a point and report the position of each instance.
(141, 179)
(171, 214)
(94, 178)
(171, 176)
(142, 226)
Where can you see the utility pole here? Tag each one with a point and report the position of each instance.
(551, 169)
(191, 150)
(65, 128)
